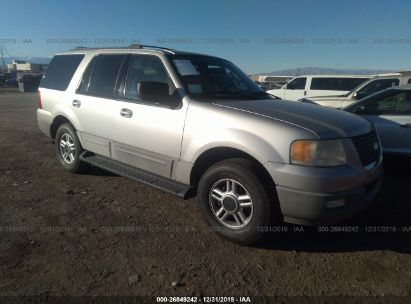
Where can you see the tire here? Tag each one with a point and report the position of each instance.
(66, 134)
(220, 211)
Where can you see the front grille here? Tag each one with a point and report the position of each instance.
(366, 147)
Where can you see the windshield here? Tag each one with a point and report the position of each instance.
(381, 95)
(206, 77)
(357, 88)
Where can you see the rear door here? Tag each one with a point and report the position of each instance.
(95, 102)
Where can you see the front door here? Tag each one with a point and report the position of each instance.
(148, 132)
(295, 89)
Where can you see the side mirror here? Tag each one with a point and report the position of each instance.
(152, 90)
(355, 95)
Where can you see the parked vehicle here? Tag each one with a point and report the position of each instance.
(318, 85)
(390, 111)
(11, 82)
(373, 85)
(8, 79)
(196, 124)
(266, 86)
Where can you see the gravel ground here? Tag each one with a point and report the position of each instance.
(101, 234)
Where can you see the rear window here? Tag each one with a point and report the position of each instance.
(335, 84)
(60, 71)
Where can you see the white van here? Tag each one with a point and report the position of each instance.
(318, 85)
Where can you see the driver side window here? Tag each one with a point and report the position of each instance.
(297, 84)
(390, 105)
(404, 104)
(144, 68)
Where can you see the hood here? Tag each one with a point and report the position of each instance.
(324, 122)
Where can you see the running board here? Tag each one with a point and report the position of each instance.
(116, 167)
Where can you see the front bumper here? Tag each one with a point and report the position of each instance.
(320, 196)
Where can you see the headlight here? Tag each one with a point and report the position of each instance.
(322, 153)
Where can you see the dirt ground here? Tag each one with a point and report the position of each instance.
(101, 234)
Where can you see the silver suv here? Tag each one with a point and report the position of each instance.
(195, 124)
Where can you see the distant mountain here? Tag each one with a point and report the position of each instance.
(324, 71)
(42, 60)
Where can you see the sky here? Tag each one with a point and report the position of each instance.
(259, 36)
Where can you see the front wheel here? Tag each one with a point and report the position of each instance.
(235, 202)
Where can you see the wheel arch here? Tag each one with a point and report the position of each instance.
(57, 122)
(217, 154)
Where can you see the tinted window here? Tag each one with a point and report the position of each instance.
(404, 104)
(335, 84)
(384, 106)
(85, 81)
(223, 79)
(104, 76)
(60, 71)
(144, 68)
(394, 103)
(377, 85)
(297, 84)
(409, 80)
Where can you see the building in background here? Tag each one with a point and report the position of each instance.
(23, 66)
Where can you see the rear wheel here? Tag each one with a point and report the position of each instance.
(68, 148)
(235, 202)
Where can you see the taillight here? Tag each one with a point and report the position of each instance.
(39, 105)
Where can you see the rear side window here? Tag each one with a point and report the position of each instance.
(335, 84)
(60, 71)
(85, 81)
(104, 76)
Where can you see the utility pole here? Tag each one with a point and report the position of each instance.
(2, 58)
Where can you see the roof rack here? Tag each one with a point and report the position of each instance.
(403, 71)
(142, 46)
(131, 46)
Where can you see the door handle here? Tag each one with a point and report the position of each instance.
(126, 113)
(76, 103)
(407, 125)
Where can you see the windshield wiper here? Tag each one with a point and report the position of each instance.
(250, 95)
(226, 94)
